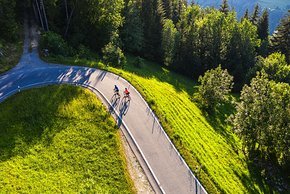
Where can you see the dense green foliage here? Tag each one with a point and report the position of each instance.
(113, 55)
(9, 27)
(132, 30)
(209, 38)
(275, 66)
(60, 139)
(263, 122)
(169, 41)
(55, 44)
(91, 22)
(10, 36)
(214, 87)
(186, 38)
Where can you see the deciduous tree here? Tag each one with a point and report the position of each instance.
(262, 120)
(215, 86)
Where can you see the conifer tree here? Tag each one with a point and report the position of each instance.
(152, 20)
(179, 7)
(169, 37)
(263, 26)
(263, 33)
(224, 7)
(255, 16)
(280, 41)
(246, 15)
(168, 8)
(132, 30)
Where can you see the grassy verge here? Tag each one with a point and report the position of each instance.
(207, 143)
(60, 139)
(10, 56)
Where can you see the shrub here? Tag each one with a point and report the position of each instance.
(84, 52)
(113, 55)
(55, 44)
(138, 62)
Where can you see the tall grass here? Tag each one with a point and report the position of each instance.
(60, 139)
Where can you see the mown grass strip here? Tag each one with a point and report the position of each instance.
(60, 139)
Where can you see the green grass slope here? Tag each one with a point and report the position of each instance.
(208, 145)
(60, 139)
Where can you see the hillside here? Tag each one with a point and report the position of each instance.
(277, 9)
(207, 143)
(60, 139)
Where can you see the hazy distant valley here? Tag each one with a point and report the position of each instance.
(277, 8)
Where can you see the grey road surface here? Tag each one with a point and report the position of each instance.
(166, 170)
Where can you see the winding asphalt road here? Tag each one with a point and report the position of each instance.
(166, 170)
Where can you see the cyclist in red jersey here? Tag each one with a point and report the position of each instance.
(126, 92)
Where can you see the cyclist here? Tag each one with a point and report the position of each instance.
(126, 93)
(116, 90)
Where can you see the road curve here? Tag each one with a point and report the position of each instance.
(166, 170)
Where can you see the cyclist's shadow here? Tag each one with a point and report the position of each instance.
(114, 102)
(123, 109)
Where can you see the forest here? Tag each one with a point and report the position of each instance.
(224, 54)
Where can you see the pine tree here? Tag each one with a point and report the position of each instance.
(152, 20)
(280, 41)
(179, 7)
(263, 26)
(224, 7)
(169, 37)
(255, 16)
(246, 15)
(263, 33)
(168, 8)
(132, 30)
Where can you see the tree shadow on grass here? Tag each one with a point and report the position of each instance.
(254, 177)
(28, 118)
(162, 74)
(218, 120)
